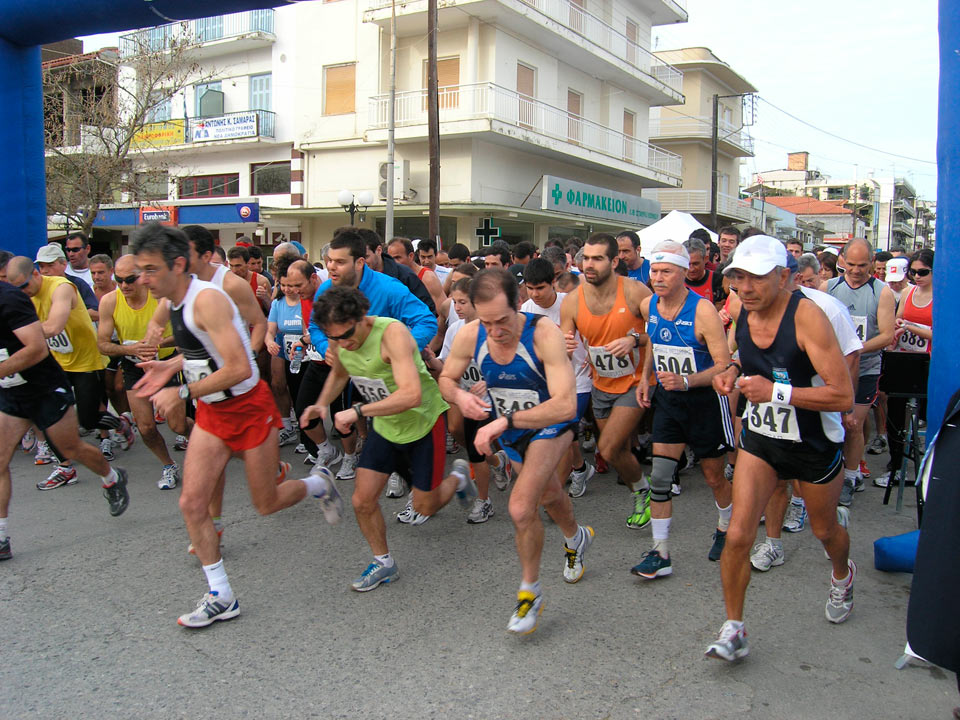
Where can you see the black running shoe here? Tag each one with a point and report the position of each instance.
(117, 496)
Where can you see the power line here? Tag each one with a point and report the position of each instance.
(839, 137)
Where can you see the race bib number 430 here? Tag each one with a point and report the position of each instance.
(371, 389)
(513, 399)
(60, 343)
(672, 359)
(773, 421)
(609, 366)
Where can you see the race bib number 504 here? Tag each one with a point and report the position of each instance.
(773, 421)
(672, 359)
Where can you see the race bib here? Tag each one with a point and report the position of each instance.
(196, 370)
(860, 325)
(132, 358)
(513, 399)
(60, 343)
(288, 342)
(471, 376)
(10, 380)
(671, 359)
(911, 342)
(773, 421)
(608, 366)
(371, 389)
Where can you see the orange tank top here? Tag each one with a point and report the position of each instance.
(610, 374)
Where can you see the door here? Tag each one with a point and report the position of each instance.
(574, 117)
(576, 14)
(526, 89)
(629, 144)
(448, 83)
(633, 38)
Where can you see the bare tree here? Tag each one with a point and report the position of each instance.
(107, 122)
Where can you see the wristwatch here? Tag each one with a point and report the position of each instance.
(184, 392)
(508, 415)
(636, 338)
(358, 409)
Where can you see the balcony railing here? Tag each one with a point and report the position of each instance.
(232, 126)
(905, 205)
(196, 32)
(700, 127)
(905, 228)
(698, 201)
(489, 101)
(574, 17)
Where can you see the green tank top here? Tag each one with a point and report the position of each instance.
(374, 379)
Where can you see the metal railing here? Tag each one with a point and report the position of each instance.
(698, 201)
(701, 127)
(902, 227)
(265, 125)
(905, 205)
(195, 32)
(574, 17)
(490, 101)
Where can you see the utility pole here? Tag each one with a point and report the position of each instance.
(391, 125)
(714, 143)
(433, 121)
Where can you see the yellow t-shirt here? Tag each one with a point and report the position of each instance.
(74, 347)
(131, 325)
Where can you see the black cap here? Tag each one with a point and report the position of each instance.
(517, 271)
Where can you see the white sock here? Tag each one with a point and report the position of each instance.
(217, 580)
(218, 523)
(661, 532)
(776, 542)
(385, 560)
(723, 523)
(572, 541)
(737, 624)
(3, 528)
(851, 476)
(287, 425)
(316, 484)
(462, 480)
(533, 587)
(640, 484)
(325, 445)
(110, 478)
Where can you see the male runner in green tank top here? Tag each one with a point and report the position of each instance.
(409, 431)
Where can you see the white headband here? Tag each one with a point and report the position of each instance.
(672, 258)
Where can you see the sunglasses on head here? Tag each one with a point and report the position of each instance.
(346, 336)
(128, 280)
(922, 272)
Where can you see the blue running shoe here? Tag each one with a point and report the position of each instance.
(374, 575)
(653, 566)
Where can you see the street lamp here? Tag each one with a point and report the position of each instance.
(352, 204)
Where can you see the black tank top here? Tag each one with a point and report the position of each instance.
(784, 362)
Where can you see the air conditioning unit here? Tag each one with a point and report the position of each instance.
(401, 180)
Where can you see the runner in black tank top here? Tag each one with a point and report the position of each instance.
(795, 382)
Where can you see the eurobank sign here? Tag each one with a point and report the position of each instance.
(578, 198)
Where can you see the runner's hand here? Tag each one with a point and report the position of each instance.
(479, 389)
(273, 348)
(571, 340)
(671, 381)
(725, 382)
(156, 374)
(311, 412)
(621, 346)
(167, 400)
(643, 394)
(483, 441)
(755, 388)
(472, 406)
(344, 420)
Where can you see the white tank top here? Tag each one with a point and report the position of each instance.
(219, 274)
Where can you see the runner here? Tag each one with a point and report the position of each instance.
(381, 357)
(873, 309)
(796, 383)
(533, 392)
(638, 268)
(125, 314)
(239, 259)
(728, 237)
(34, 391)
(606, 312)
(705, 283)
(687, 349)
(401, 250)
(235, 410)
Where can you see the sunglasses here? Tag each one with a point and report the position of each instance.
(922, 272)
(23, 285)
(74, 249)
(346, 336)
(128, 280)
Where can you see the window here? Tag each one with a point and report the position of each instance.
(339, 89)
(213, 104)
(629, 129)
(574, 116)
(158, 107)
(202, 186)
(151, 186)
(270, 178)
(633, 42)
(448, 82)
(261, 92)
(526, 88)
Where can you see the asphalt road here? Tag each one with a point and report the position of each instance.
(89, 606)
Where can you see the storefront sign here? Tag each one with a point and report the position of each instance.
(163, 214)
(228, 127)
(160, 134)
(248, 212)
(578, 198)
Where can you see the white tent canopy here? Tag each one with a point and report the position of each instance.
(675, 226)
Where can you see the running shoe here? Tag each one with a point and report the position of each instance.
(106, 449)
(728, 472)
(501, 475)
(481, 511)
(287, 436)
(878, 445)
(795, 519)
(310, 460)
(675, 488)
(210, 609)
(158, 418)
(61, 475)
(44, 455)
(653, 565)
(330, 502)
(840, 600)
(602, 466)
(453, 447)
(169, 477)
(846, 494)
(409, 516)
(348, 468)
(396, 486)
(117, 496)
(573, 562)
(579, 480)
(5, 553)
(730, 645)
(527, 613)
(180, 443)
(375, 575)
(82, 431)
(864, 472)
(329, 457)
(466, 494)
(124, 434)
(641, 510)
(716, 550)
(765, 556)
(29, 441)
(883, 480)
(282, 469)
(300, 449)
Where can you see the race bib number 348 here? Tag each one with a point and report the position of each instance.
(513, 399)
(773, 421)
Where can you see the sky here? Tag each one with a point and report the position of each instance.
(866, 72)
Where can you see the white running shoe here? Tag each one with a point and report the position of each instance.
(300, 449)
(396, 486)
(766, 556)
(409, 516)
(573, 560)
(730, 645)
(840, 600)
(169, 477)
(287, 436)
(328, 458)
(527, 613)
(579, 480)
(209, 610)
(501, 475)
(481, 511)
(348, 468)
(330, 502)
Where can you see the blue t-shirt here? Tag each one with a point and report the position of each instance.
(642, 273)
(289, 324)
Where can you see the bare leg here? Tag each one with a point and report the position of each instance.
(616, 436)
(366, 505)
(11, 430)
(206, 459)
(146, 424)
(821, 502)
(776, 509)
(261, 465)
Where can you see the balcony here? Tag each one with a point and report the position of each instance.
(903, 228)
(905, 205)
(732, 140)
(529, 124)
(207, 37)
(593, 46)
(697, 202)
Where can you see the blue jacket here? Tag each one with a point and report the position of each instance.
(388, 298)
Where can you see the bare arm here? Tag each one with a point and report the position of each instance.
(33, 351)
(432, 283)
(886, 310)
(65, 297)
(249, 307)
(709, 329)
(568, 321)
(213, 314)
(454, 366)
(105, 343)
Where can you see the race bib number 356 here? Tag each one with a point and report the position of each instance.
(773, 421)
(609, 366)
(371, 389)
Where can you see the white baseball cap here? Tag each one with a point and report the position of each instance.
(50, 253)
(758, 255)
(897, 269)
